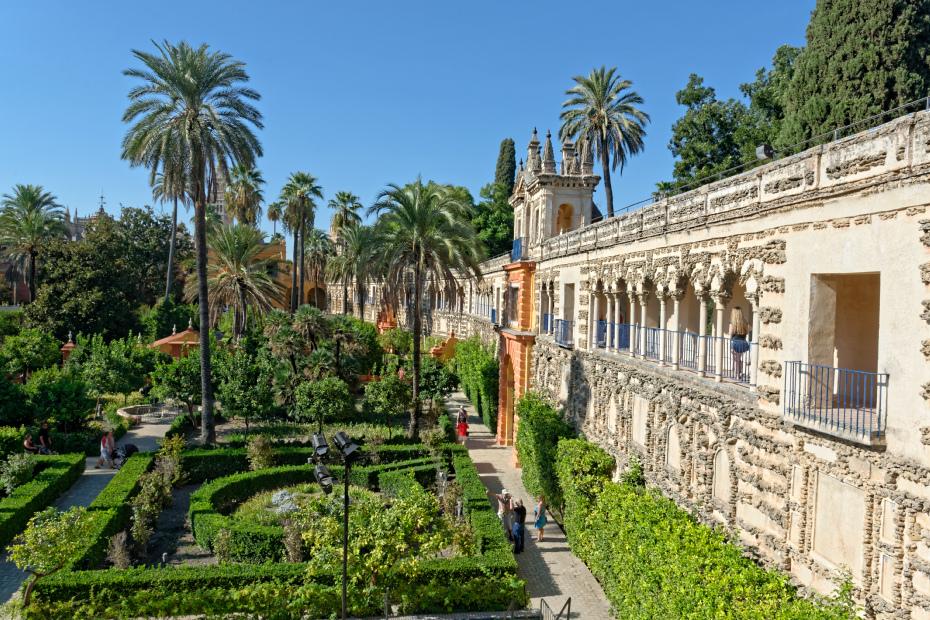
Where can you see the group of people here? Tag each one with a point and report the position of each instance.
(512, 514)
(45, 441)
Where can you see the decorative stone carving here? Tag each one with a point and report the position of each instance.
(769, 315)
(771, 284)
(768, 341)
(769, 393)
(856, 165)
(771, 368)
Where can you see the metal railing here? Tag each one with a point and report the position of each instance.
(622, 337)
(600, 336)
(735, 362)
(516, 251)
(546, 323)
(652, 343)
(563, 333)
(546, 612)
(689, 346)
(494, 316)
(840, 400)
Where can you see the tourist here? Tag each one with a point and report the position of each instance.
(519, 526)
(107, 451)
(540, 514)
(29, 446)
(738, 342)
(503, 510)
(45, 439)
(461, 425)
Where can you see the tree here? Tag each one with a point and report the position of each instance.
(318, 249)
(29, 218)
(299, 193)
(116, 367)
(602, 110)
(861, 58)
(60, 395)
(423, 232)
(171, 185)
(325, 400)
(241, 387)
(243, 199)
(353, 264)
(166, 317)
(31, 349)
(274, 213)
(49, 542)
(146, 241)
(192, 106)
(238, 277)
(506, 169)
(767, 96)
(493, 219)
(387, 398)
(345, 208)
(179, 379)
(437, 382)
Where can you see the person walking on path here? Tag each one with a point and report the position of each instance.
(107, 448)
(519, 526)
(504, 510)
(462, 424)
(540, 514)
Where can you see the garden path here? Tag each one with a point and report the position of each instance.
(550, 569)
(145, 436)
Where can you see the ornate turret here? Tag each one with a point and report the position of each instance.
(587, 157)
(568, 158)
(533, 163)
(548, 156)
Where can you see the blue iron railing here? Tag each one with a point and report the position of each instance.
(516, 252)
(546, 323)
(840, 400)
(600, 335)
(623, 336)
(652, 343)
(563, 332)
(688, 350)
(494, 316)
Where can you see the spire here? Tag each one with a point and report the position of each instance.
(568, 157)
(548, 157)
(587, 157)
(532, 151)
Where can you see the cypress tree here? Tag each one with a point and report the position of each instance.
(862, 57)
(506, 170)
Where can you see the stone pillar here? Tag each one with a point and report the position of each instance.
(720, 340)
(632, 323)
(702, 333)
(551, 309)
(642, 330)
(662, 334)
(595, 313)
(616, 319)
(754, 352)
(676, 329)
(608, 333)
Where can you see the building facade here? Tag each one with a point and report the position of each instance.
(760, 344)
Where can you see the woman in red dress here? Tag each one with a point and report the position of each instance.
(461, 426)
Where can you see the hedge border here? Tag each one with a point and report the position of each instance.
(56, 476)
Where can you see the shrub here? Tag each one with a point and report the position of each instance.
(118, 550)
(397, 340)
(16, 470)
(541, 427)
(259, 452)
(11, 438)
(328, 400)
(59, 395)
(476, 367)
(29, 350)
(14, 406)
(56, 474)
(386, 399)
(655, 561)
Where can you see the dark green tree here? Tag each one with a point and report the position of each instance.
(147, 238)
(179, 379)
(59, 395)
(862, 57)
(492, 219)
(506, 170)
(31, 349)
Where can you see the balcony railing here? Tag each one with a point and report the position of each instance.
(546, 323)
(622, 336)
(652, 343)
(494, 316)
(563, 332)
(849, 403)
(516, 252)
(600, 336)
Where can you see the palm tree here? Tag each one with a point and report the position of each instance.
(237, 276)
(244, 196)
(169, 185)
(299, 193)
(353, 262)
(192, 106)
(318, 250)
(602, 110)
(345, 208)
(29, 217)
(423, 231)
(274, 213)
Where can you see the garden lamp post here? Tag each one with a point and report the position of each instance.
(350, 451)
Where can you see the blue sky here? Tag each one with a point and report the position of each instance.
(366, 93)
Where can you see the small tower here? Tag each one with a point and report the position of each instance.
(548, 156)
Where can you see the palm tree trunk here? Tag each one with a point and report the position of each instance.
(414, 430)
(608, 190)
(245, 312)
(294, 275)
(345, 296)
(32, 275)
(302, 278)
(174, 234)
(207, 432)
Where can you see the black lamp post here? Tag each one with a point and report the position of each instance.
(349, 450)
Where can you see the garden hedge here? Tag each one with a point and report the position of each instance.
(541, 426)
(477, 369)
(54, 475)
(655, 561)
(86, 441)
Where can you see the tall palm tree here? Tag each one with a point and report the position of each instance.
(192, 106)
(274, 213)
(423, 231)
(604, 111)
(244, 196)
(29, 217)
(237, 276)
(345, 206)
(170, 185)
(353, 262)
(13, 274)
(318, 250)
(299, 193)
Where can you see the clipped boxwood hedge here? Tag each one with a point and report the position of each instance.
(476, 367)
(541, 426)
(55, 474)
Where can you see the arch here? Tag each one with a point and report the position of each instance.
(721, 479)
(672, 448)
(564, 219)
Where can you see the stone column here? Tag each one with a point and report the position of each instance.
(551, 309)
(662, 334)
(642, 330)
(616, 319)
(720, 340)
(676, 329)
(754, 351)
(595, 313)
(608, 333)
(702, 333)
(632, 297)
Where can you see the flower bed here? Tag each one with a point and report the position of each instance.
(55, 475)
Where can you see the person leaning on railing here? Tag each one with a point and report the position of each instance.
(739, 344)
